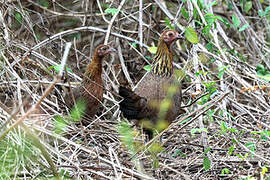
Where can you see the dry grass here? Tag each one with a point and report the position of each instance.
(235, 126)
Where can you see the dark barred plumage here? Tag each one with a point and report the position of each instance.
(144, 103)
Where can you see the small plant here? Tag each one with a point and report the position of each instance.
(206, 160)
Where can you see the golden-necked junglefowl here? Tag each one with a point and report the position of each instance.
(156, 101)
(90, 90)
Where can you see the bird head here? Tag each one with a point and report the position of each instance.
(169, 36)
(103, 50)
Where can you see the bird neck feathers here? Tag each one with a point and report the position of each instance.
(94, 69)
(163, 60)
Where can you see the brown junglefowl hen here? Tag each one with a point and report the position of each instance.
(156, 101)
(90, 90)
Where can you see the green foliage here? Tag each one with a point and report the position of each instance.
(59, 124)
(111, 11)
(231, 150)
(210, 89)
(134, 44)
(243, 27)
(225, 171)
(149, 58)
(154, 149)
(247, 6)
(225, 129)
(262, 13)
(209, 46)
(43, 3)
(264, 135)
(251, 146)
(236, 21)
(126, 134)
(168, 23)
(78, 110)
(211, 20)
(58, 67)
(210, 113)
(184, 13)
(179, 153)
(199, 130)
(147, 68)
(206, 163)
(152, 49)
(184, 121)
(262, 72)
(76, 35)
(264, 170)
(222, 71)
(15, 154)
(191, 35)
(18, 17)
(210, 5)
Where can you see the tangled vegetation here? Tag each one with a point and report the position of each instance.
(225, 57)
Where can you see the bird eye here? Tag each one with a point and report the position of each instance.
(170, 34)
(104, 48)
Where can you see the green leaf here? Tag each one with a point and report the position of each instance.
(179, 153)
(199, 130)
(261, 13)
(225, 171)
(207, 150)
(193, 131)
(209, 18)
(58, 67)
(206, 163)
(251, 146)
(264, 170)
(209, 46)
(18, 17)
(243, 27)
(134, 44)
(168, 22)
(184, 13)
(260, 68)
(44, 3)
(265, 77)
(236, 21)
(206, 29)
(267, 9)
(226, 22)
(147, 68)
(78, 110)
(230, 150)
(210, 5)
(267, 133)
(248, 6)
(184, 121)
(59, 124)
(220, 74)
(126, 133)
(111, 11)
(191, 35)
(152, 50)
(224, 126)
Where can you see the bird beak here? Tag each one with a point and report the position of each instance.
(111, 50)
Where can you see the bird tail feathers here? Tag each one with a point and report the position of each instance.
(132, 106)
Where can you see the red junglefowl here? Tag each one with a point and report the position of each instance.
(156, 101)
(90, 91)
